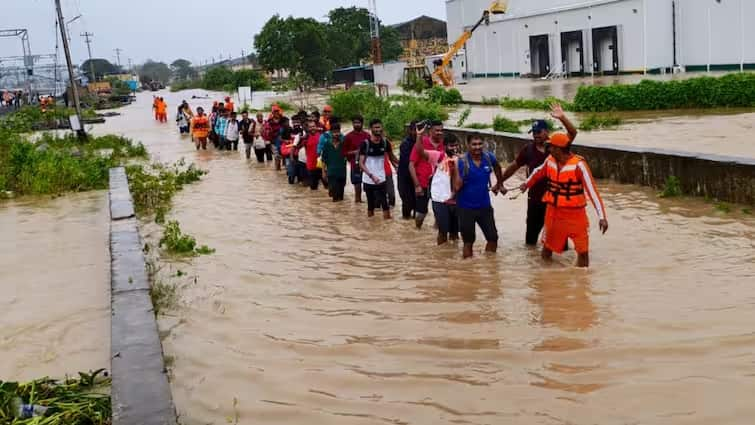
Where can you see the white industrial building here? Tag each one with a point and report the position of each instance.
(583, 37)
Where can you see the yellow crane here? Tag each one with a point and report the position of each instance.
(442, 73)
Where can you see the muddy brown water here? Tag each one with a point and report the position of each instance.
(55, 283)
(310, 312)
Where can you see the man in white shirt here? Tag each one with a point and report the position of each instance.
(232, 133)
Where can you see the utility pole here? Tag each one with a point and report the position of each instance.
(74, 89)
(118, 56)
(87, 36)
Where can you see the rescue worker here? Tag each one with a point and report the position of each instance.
(229, 106)
(200, 125)
(327, 114)
(162, 110)
(532, 156)
(155, 102)
(570, 182)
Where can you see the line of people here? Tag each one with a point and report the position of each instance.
(432, 170)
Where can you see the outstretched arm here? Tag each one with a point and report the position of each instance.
(537, 175)
(558, 113)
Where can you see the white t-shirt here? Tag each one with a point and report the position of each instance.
(232, 130)
(440, 187)
(299, 141)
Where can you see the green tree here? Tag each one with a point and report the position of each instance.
(182, 70)
(311, 48)
(274, 44)
(349, 37)
(102, 67)
(154, 71)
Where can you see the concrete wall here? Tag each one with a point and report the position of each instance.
(389, 73)
(725, 178)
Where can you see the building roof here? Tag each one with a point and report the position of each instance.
(421, 28)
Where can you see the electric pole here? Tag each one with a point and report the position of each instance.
(74, 89)
(87, 36)
(118, 56)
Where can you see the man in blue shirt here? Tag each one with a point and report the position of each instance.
(471, 179)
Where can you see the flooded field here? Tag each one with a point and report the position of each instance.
(55, 280)
(311, 313)
(716, 132)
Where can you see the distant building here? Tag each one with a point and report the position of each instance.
(577, 37)
(422, 36)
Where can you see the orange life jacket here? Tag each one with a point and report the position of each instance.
(325, 123)
(565, 187)
(229, 106)
(201, 126)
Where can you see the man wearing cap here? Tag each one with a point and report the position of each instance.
(532, 156)
(569, 183)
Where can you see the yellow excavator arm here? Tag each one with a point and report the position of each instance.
(442, 74)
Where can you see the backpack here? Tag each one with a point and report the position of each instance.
(465, 159)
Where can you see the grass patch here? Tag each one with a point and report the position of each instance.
(478, 126)
(505, 125)
(732, 90)
(54, 165)
(600, 122)
(672, 188)
(747, 211)
(164, 296)
(76, 401)
(491, 100)
(464, 117)
(153, 186)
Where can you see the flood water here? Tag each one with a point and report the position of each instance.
(311, 313)
(55, 282)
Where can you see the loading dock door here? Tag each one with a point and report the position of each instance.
(540, 55)
(572, 52)
(605, 50)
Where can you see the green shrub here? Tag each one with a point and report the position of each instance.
(224, 79)
(395, 115)
(505, 125)
(540, 105)
(414, 84)
(732, 90)
(443, 96)
(491, 100)
(59, 164)
(672, 188)
(179, 243)
(153, 187)
(600, 122)
(464, 117)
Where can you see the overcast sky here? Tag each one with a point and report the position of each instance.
(169, 29)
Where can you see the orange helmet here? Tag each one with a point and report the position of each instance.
(559, 140)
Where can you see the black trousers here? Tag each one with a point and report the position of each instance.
(377, 197)
(408, 197)
(336, 185)
(260, 154)
(535, 221)
(314, 178)
(470, 219)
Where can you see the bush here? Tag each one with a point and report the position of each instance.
(224, 79)
(153, 187)
(414, 84)
(491, 100)
(59, 164)
(540, 105)
(732, 90)
(443, 96)
(164, 296)
(505, 125)
(395, 115)
(600, 122)
(177, 242)
(672, 188)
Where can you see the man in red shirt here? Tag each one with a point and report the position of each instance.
(351, 145)
(313, 139)
(421, 170)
